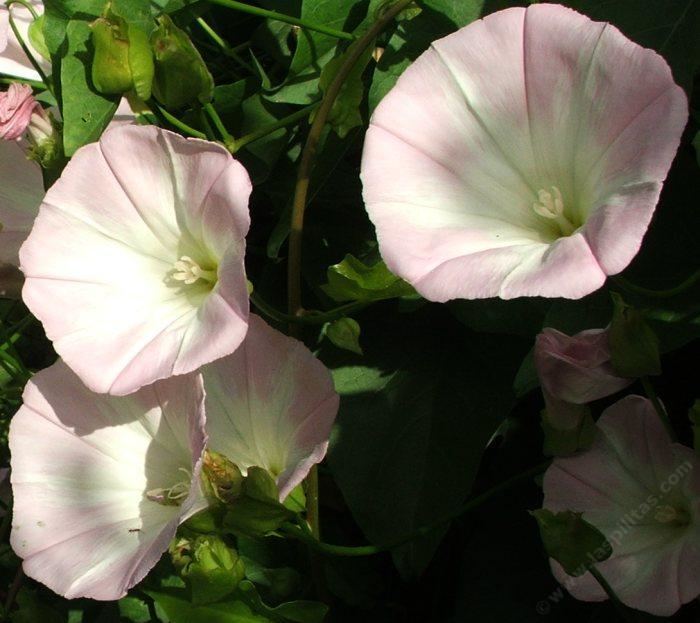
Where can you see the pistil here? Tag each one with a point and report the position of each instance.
(188, 271)
(550, 205)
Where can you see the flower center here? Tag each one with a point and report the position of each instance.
(174, 495)
(670, 515)
(188, 272)
(550, 205)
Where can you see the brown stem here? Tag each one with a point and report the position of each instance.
(308, 156)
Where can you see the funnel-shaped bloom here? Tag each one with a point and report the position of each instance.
(271, 404)
(135, 262)
(13, 60)
(643, 493)
(101, 482)
(21, 192)
(521, 156)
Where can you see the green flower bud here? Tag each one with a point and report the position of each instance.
(211, 568)
(123, 59)
(222, 478)
(181, 76)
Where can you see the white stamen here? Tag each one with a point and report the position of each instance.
(188, 271)
(550, 205)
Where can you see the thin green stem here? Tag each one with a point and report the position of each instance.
(311, 491)
(660, 294)
(35, 84)
(21, 42)
(229, 141)
(658, 407)
(621, 608)
(305, 536)
(292, 119)
(309, 317)
(282, 17)
(174, 121)
(308, 155)
(229, 51)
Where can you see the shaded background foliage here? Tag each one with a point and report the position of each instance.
(443, 402)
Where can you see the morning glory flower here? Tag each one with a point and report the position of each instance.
(643, 493)
(135, 262)
(523, 155)
(271, 404)
(100, 482)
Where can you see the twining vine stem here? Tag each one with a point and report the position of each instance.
(310, 148)
(20, 40)
(301, 191)
(307, 537)
(660, 294)
(282, 17)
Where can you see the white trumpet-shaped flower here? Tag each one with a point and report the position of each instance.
(521, 156)
(102, 482)
(135, 262)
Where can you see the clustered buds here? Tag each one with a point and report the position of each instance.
(165, 63)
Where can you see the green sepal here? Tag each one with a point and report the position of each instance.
(36, 37)
(258, 511)
(634, 347)
(211, 569)
(571, 541)
(565, 442)
(181, 76)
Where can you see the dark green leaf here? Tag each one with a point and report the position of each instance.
(571, 541)
(352, 280)
(634, 347)
(290, 612)
(412, 37)
(412, 426)
(176, 604)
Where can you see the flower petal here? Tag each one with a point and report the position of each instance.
(271, 404)
(81, 466)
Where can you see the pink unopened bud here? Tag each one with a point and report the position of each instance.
(16, 107)
(576, 369)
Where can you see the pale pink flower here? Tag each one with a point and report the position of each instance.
(21, 192)
(521, 156)
(135, 262)
(574, 370)
(643, 493)
(13, 60)
(271, 404)
(101, 483)
(16, 107)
